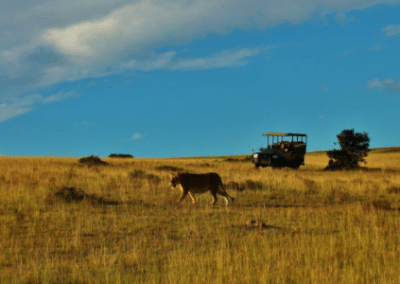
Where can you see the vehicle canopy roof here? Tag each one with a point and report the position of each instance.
(284, 134)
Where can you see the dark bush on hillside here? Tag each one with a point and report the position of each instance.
(354, 147)
(72, 194)
(120, 156)
(92, 161)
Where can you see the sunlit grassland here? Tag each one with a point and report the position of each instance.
(312, 226)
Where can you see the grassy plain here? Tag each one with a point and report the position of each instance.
(286, 226)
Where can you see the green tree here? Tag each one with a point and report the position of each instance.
(354, 147)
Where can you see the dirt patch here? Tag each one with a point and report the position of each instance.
(72, 194)
(92, 161)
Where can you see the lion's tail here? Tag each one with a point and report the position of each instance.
(223, 187)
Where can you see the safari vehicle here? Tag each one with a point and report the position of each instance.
(285, 150)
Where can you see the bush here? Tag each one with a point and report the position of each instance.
(72, 194)
(354, 147)
(92, 160)
(120, 156)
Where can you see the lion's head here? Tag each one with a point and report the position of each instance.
(174, 180)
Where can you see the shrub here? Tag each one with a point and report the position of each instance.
(120, 156)
(354, 147)
(72, 194)
(92, 160)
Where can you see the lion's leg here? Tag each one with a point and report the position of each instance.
(192, 196)
(214, 195)
(225, 194)
(184, 193)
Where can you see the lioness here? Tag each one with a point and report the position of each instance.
(200, 183)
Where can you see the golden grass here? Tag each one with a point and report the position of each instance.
(286, 226)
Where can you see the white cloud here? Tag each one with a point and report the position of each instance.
(136, 136)
(340, 17)
(58, 97)
(227, 58)
(389, 84)
(377, 46)
(24, 104)
(391, 30)
(12, 111)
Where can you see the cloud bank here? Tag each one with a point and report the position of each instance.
(45, 43)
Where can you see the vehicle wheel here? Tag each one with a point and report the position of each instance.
(257, 166)
(297, 162)
(278, 163)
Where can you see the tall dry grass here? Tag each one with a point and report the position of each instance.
(285, 226)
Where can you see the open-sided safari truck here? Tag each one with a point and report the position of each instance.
(285, 150)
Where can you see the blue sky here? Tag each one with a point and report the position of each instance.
(195, 78)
